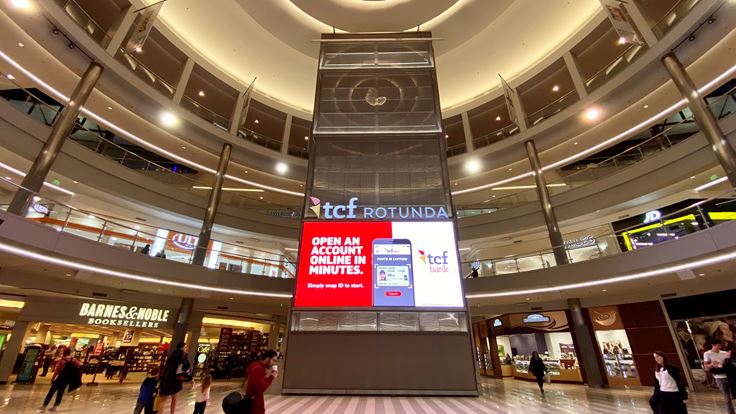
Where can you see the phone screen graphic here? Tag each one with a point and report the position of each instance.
(393, 279)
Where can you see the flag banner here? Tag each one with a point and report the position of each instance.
(143, 24)
(246, 103)
(509, 93)
(621, 22)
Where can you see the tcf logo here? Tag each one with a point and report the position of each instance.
(437, 264)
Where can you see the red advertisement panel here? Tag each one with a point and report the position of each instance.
(335, 263)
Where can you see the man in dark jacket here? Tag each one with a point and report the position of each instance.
(63, 376)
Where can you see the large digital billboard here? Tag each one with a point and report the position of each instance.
(378, 264)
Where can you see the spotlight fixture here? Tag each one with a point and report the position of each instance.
(472, 166)
(256, 121)
(20, 4)
(622, 40)
(556, 88)
(447, 136)
(109, 108)
(201, 93)
(281, 168)
(498, 118)
(9, 76)
(168, 119)
(306, 138)
(646, 106)
(138, 49)
(691, 38)
(591, 114)
(21, 44)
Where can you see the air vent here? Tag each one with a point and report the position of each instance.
(623, 217)
(669, 295)
(536, 308)
(239, 242)
(518, 241)
(99, 295)
(222, 308)
(141, 219)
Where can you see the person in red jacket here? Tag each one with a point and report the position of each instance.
(260, 375)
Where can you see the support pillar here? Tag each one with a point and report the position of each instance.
(640, 22)
(200, 251)
(286, 134)
(468, 132)
(120, 29)
(577, 79)
(42, 335)
(273, 336)
(493, 351)
(181, 85)
(553, 229)
(61, 129)
(195, 329)
(585, 345)
(705, 119)
(12, 349)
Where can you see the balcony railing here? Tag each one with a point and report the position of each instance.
(85, 21)
(552, 108)
(600, 241)
(495, 136)
(163, 243)
(673, 16)
(205, 113)
(145, 73)
(616, 66)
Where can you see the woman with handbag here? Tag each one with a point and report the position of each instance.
(669, 388)
(536, 367)
(176, 370)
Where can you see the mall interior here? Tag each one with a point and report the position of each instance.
(405, 198)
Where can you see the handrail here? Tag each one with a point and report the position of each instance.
(108, 230)
(557, 101)
(39, 101)
(504, 131)
(656, 27)
(565, 179)
(590, 80)
(64, 3)
(170, 89)
(214, 116)
(662, 222)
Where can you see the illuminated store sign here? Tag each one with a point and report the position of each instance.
(352, 210)
(580, 242)
(651, 216)
(497, 323)
(121, 315)
(40, 208)
(184, 241)
(535, 318)
(367, 264)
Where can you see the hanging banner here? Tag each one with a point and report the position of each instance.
(508, 94)
(143, 24)
(621, 22)
(246, 103)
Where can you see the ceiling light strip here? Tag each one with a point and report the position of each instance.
(617, 279)
(130, 276)
(597, 147)
(135, 138)
(22, 174)
(711, 184)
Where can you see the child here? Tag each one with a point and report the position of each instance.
(203, 394)
(147, 393)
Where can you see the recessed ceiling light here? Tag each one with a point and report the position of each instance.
(646, 106)
(575, 143)
(138, 49)
(75, 182)
(692, 176)
(701, 274)
(622, 40)
(498, 118)
(604, 290)
(493, 196)
(183, 147)
(20, 4)
(245, 171)
(556, 88)
(8, 178)
(591, 114)
(301, 185)
(306, 138)
(261, 197)
(168, 119)
(472, 166)
(455, 183)
(21, 44)
(256, 121)
(9, 76)
(511, 169)
(200, 93)
(447, 136)
(109, 108)
(281, 168)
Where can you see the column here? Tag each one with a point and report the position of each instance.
(493, 351)
(273, 336)
(42, 335)
(468, 132)
(705, 119)
(61, 129)
(120, 29)
(640, 22)
(181, 86)
(195, 329)
(548, 211)
(585, 345)
(200, 251)
(572, 67)
(285, 135)
(12, 349)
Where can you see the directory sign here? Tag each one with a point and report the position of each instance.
(378, 264)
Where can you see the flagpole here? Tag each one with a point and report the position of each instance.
(150, 5)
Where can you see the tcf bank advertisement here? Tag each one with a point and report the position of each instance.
(378, 264)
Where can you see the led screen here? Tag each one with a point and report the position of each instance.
(378, 264)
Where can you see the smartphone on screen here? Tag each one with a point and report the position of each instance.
(393, 278)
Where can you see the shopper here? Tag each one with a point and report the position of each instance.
(147, 393)
(203, 395)
(176, 370)
(670, 392)
(715, 363)
(260, 375)
(536, 367)
(147, 249)
(67, 373)
(48, 358)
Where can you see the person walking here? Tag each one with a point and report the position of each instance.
(714, 362)
(536, 367)
(48, 359)
(203, 395)
(147, 393)
(67, 373)
(146, 249)
(670, 392)
(260, 375)
(176, 370)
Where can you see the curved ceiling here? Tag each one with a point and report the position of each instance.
(276, 40)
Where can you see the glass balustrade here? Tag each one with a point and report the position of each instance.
(681, 9)
(615, 67)
(145, 74)
(85, 21)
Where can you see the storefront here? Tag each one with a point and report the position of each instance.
(700, 321)
(516, 336)
(672, 222)
(613, 346)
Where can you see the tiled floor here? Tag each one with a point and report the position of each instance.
(498, 396)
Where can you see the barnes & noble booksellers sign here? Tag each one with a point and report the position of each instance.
(105, 314)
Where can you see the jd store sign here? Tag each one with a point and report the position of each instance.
(352, 210)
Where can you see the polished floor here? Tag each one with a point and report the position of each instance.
(498, 396)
